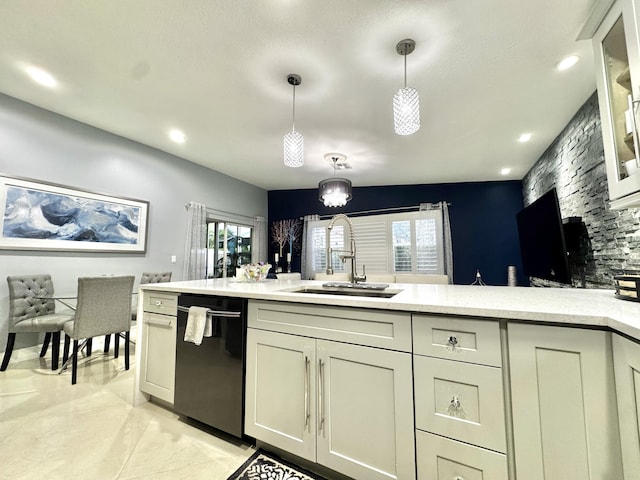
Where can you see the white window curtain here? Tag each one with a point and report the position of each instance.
(195, 251)
(259, 246)
(417, 242)
(445, 236)
(306, 260)
(448, 246)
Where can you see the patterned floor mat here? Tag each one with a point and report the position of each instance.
(266, 466)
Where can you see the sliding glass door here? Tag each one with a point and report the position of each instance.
(229, 246)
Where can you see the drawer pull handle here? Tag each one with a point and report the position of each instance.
(321, 394)
(455, 408)
(158, 303)
(307, 406)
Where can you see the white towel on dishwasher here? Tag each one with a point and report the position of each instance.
(198, 325)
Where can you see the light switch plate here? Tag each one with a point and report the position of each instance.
(174, 259)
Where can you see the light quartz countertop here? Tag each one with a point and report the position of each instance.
(570, 306)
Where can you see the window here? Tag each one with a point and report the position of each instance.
(391, 243)
(415, 245)
(228, 247)
(318, 239)
(401, 241)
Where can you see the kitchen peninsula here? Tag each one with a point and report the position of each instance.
(479, 361)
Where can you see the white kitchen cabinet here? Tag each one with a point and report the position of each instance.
(365, 411)
(373, 328)
(459, 398)
(617, 59)
(626, 358)
(565, 418)
(466, 340)
(157, 341)
(440, 458)
(461, 401)
(280, 391)
(347, 407)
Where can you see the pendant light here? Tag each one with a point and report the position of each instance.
(335, 192)
(293, 141)
(406, 103)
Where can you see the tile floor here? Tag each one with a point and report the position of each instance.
(52, 430)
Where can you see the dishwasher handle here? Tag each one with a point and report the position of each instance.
(214, 313)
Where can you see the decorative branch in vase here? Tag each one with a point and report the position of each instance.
(294, 232)
(279, 238)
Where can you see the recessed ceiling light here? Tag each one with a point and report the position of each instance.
(177, 136)
(505, 171)
(567, 62)
(40, 76)
(525, 137)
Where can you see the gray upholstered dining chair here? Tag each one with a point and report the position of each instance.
(30, 311)
(104, 307)
(160, 277)
(147, 277)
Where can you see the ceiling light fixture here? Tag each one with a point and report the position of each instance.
(505, 171)
(335, 192)
(567, 62)
(406, 102)
(525, 137)
(42, 77)
(293, 141)
(177, 136)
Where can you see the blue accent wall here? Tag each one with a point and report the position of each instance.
(483, 220)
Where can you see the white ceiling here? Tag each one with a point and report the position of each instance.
(217, 70)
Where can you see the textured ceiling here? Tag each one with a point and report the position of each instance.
(217, 70)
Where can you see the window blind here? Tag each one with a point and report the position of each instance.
(371, 246)
(408, 242)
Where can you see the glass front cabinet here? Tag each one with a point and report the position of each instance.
(617, 58)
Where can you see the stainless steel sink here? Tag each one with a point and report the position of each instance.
(358, 285)
(371, 290)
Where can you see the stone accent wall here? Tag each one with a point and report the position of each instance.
(574, 165)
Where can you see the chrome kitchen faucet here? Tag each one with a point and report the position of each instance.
(350, 254)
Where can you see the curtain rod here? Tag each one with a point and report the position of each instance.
(381, 210)
(223, 212)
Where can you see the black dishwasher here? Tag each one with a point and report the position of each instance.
(209, 381)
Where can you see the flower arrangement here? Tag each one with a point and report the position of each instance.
(253, 272)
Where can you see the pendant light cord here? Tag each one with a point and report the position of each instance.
(293, 127)
(405, 65)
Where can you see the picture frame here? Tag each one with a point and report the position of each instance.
(37, 215)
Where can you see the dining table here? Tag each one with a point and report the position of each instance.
(66, 301)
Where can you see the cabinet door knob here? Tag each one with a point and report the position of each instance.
(455, 408)
(452, 343)
(158, 303)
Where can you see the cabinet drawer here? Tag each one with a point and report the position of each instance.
(461, 401)
(465, 340)
(440, 458)
(159, 320)
(372, 328)
(164, 303)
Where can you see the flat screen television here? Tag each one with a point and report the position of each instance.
(542, 242)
